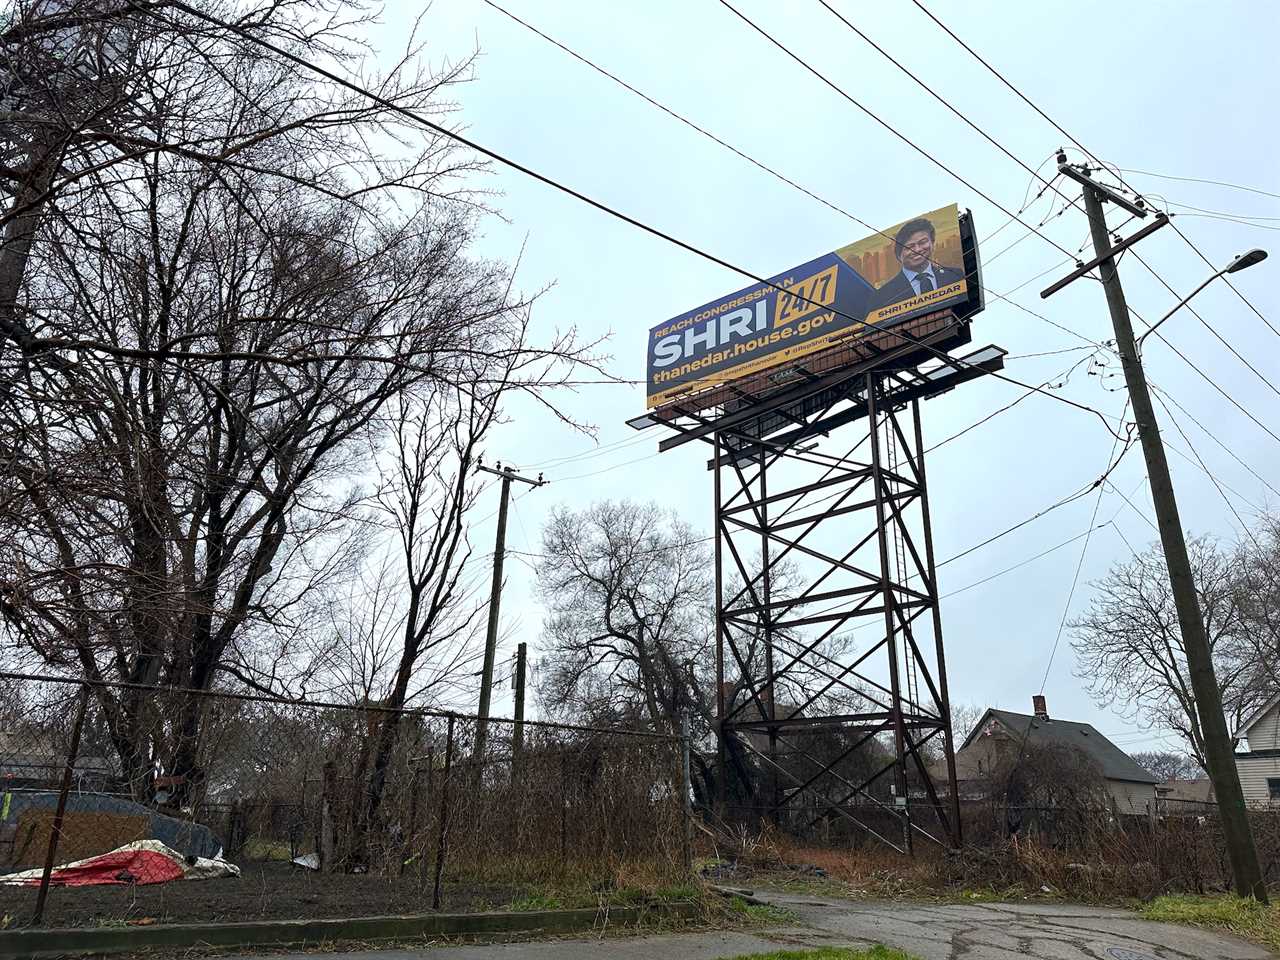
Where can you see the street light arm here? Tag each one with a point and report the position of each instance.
(1178, 306)
(1242, 262)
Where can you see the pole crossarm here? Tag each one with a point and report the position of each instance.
(1160, 221)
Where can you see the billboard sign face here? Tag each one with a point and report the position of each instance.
(911, 268)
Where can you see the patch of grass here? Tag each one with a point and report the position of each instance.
(264, 850)
(1244, 918)
(560, 897)
(878, 952)
(688, 891)
(763, 914)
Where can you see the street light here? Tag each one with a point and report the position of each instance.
(1242, 262)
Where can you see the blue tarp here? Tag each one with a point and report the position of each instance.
(188, 838)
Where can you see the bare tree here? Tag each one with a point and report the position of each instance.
(437, 610)
(629, 639)
(628, 591)
(209, 300)
(964, 717)
(1129, 648)
(1168, 764)
(1258, 597)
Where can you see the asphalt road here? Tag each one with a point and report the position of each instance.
(930, 931)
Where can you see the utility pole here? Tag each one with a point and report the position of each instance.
(1219, 753)
(521, 663)
(507, 474)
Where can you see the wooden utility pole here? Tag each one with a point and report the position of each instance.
(507, 474)
(1219, 753)
(521, 664)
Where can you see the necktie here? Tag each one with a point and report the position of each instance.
(926, 284)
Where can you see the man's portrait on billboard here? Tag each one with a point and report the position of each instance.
(920, 272)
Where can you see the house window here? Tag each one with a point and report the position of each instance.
(1273, 788)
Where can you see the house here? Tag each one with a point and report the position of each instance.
(29, 760)
(1000, 733)
(1258, 755)
(1186, 797)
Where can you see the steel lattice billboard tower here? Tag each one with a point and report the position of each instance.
(832, 701)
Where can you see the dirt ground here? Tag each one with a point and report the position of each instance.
(265, 891)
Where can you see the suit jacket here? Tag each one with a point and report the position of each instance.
(898, 287)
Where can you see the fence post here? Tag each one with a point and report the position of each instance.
(564, 802)
(235, 828)
(328, 822)
(55, 829)
(409, 842)
(686, 797)
(444, 816)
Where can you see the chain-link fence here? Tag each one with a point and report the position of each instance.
(151, 804)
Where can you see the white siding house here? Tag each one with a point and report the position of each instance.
(1258, 756)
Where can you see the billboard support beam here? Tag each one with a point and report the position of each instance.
(812, 722)
(798, 715)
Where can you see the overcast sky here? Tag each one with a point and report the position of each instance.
(1178, 88)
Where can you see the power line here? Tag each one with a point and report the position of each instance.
(1242, 222)
(1243, 217)
(1016, 566)
(1214, 480)
(1071, 201)
(1208, 326)
(963, 553)
(1053, 383)
(874, 116)
(1247, 302)
(1061, 503)
(1044, 353)
(1132, 506)
(1216, 439)
(1207, 379)
(678, 116)
(999, 76)
(1216, 183)
(1070, 595)
(805, 190)
(579, 195)
(1088, 152)
(1020, 564)
(1115, 526)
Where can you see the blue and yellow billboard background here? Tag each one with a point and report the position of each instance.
(826, 301)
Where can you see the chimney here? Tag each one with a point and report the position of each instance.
(1039, 708)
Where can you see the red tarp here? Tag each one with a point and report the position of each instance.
(146, 861)
(118, 866)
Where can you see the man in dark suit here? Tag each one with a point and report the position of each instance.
(913, 247)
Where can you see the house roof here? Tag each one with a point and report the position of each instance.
(1114, 762)
(1242, 732)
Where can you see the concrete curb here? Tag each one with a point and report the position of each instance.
(20, 944)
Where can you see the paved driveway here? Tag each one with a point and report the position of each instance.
(1008, 931)
(931, 931)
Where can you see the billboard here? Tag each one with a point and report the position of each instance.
(911, 268)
